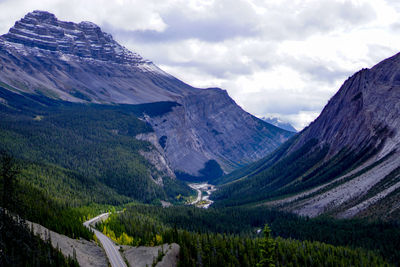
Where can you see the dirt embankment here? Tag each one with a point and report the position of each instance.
(87, 253)
(145, 256)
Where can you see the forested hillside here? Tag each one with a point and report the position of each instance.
(88, 151)
(20, 247)
(230, 238)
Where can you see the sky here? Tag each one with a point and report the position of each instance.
(283, 59)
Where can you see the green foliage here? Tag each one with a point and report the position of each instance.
(66, 186)
(258, 166)
(306, 253)
(381, 237)
(206, 248)
(20, 247)
(267, 249)
(123, 239)
(33, 204)
(8, 180)
(89, 148)
(286, 173)
(271, 181)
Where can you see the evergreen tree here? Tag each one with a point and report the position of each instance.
(267, 249)
(9, 172)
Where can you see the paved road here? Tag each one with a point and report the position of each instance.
(110, 248)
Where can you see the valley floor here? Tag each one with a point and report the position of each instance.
(202, 201)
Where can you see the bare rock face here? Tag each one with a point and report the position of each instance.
(364, 112)
(209, 125)
(146, 256)
(346, 163)
(363, 117)
(88, 254)
(78, 62)
(156, 156)
(43, 30)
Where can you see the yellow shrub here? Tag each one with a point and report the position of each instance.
(159, 239)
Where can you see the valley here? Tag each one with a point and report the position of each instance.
(88, 127)
(204, 191)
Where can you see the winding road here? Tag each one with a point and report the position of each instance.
(112, 251)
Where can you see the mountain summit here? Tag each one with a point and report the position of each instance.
(43, 30)
(94, 67)
(77, 62)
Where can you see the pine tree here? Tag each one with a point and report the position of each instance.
(267, 249)
(9, 171)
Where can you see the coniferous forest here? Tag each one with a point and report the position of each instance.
(196, 231)
(57, 173)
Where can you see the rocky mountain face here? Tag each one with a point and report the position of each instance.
(346, 162)
(77, 62)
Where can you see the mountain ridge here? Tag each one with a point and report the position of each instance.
(345, 163)
(77, 62)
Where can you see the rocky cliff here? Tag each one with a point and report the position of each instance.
(78, 62)
(345, 163)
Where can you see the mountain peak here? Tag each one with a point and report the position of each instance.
(42, 30)
(40, 15)
(279, 123)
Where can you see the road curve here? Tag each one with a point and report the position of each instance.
(110, 248)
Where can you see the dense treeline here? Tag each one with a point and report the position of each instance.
(220, 249)
(382, 237)
(28, 202)
(91, 145)
(278, 174)
(20, 247)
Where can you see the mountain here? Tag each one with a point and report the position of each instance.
(346, 163)
(281, 124)
(66, 61)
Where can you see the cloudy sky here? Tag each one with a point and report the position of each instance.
(276, 58)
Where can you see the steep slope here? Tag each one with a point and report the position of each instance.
(85, 153)
(346, 163)
(79, 63)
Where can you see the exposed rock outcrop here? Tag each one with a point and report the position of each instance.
(209, 125)
(351, 152)
(78, 62)
(87, 253)
(146, 256)
(156, 156)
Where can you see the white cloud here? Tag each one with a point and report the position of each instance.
(283, 58)
(123, 14)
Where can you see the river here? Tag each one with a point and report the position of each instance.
(202, 201)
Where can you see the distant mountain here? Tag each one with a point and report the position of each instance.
(346, 163)
(281, 124)
(42, 56)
